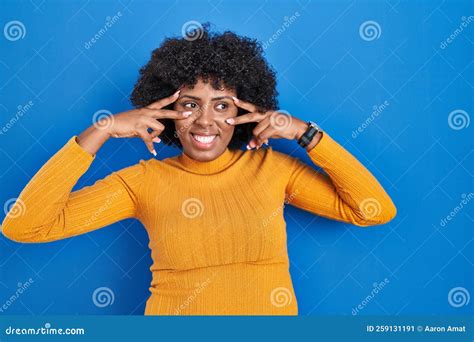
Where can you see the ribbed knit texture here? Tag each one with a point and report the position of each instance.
(217, 231)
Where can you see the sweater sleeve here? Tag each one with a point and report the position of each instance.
(47, 210)
(346, 191)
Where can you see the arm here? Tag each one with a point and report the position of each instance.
(47, 210)
(50, 211)
(348, 192)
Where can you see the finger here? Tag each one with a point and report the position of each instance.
(245, 105)
(169, 114)
(258, 145)
(146, 137)
(164, 101)
(261, 126)
(246, 118)
(154, 124)
(252, 144)
(154, 135)
(263, 136)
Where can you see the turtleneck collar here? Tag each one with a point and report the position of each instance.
(227, 158)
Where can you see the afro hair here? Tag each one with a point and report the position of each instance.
(223, 59)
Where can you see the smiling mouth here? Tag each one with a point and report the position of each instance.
(203, 141)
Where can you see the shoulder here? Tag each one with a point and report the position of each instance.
(272, 157)
(160, 165)
(142, 168)
(139, 169)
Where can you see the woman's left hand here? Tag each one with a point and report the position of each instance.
(271, 124)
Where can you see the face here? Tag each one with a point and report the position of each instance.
(205, 134)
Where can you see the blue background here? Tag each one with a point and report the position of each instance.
(326, 73)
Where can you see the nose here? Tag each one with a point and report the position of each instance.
(204, 116)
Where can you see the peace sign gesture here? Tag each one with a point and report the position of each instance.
(137, 122)
(143, 123)
(271, 124)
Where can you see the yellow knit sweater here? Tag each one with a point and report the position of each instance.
(216, 229)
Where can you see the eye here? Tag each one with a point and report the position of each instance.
(190, 105)
(222, 106)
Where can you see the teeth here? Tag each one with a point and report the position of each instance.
(206, 139)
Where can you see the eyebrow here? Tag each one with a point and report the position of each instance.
(213, 99)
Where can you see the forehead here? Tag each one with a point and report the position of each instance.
(206, 90)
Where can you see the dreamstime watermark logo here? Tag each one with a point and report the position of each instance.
(192, 30)
(108, 202)
(14, 207)
(280, 297)
(377, 287)
(109, 22)
(193, 117)
(182, 129)
(458, 119)
(370, 208)
(280, 120)
(465, 199)
(21, 288)
(287, 21)
(21, 110)
(102, 297)
(465, 21)
(288, 198)
(377, 110)
(458, 297)
(103, 119)
(14, 30)
(370, 30)
(198, 289)
(47, 329)
(192, 207)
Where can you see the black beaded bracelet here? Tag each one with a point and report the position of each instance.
(309, 134)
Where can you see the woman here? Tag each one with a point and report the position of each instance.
(213, 213)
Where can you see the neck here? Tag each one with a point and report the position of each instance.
(224, 160)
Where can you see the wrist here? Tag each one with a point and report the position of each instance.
(315, 141)
(103, 127)
(300, 129)
(93, 138)
(311, 130)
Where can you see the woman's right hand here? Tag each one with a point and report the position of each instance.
(132, 123)
(136, 122)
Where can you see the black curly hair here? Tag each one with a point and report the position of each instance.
(224, 59)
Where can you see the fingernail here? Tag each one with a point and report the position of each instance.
(235, 99)
(157, 140)
(153, 152)
(186, 114)
(177, 93)
(248, 147)
(230, 121)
